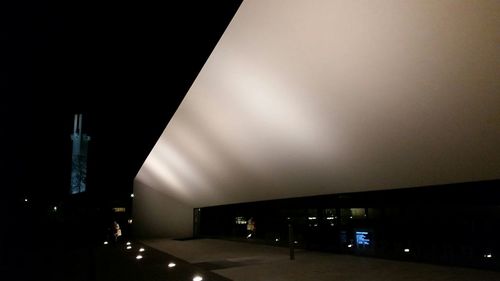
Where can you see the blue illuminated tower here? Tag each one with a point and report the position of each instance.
(79, 157)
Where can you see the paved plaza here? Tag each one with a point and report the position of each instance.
(241, 261)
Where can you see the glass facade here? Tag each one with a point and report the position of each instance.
(455, 224)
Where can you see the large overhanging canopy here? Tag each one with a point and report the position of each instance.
(317, 97)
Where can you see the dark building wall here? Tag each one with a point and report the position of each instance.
(455, 224)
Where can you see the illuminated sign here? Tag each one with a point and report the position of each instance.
(362, 238)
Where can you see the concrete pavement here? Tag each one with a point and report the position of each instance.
(240, 261)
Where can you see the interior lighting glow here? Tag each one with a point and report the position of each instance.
(197, 278)
(171, 265)
(138, 257)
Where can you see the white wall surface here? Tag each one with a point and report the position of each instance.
(317, 97)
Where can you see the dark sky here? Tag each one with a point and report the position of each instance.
(125, 66)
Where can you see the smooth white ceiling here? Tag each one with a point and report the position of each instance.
(313, 97)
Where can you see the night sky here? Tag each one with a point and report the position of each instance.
(125, 65)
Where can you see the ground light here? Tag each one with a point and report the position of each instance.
(141, 250)
(197, 278)
(171, 265)
(129, 247)
(138, 257)
(128, 243)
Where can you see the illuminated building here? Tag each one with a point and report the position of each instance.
(302, 99)
(79, 157)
